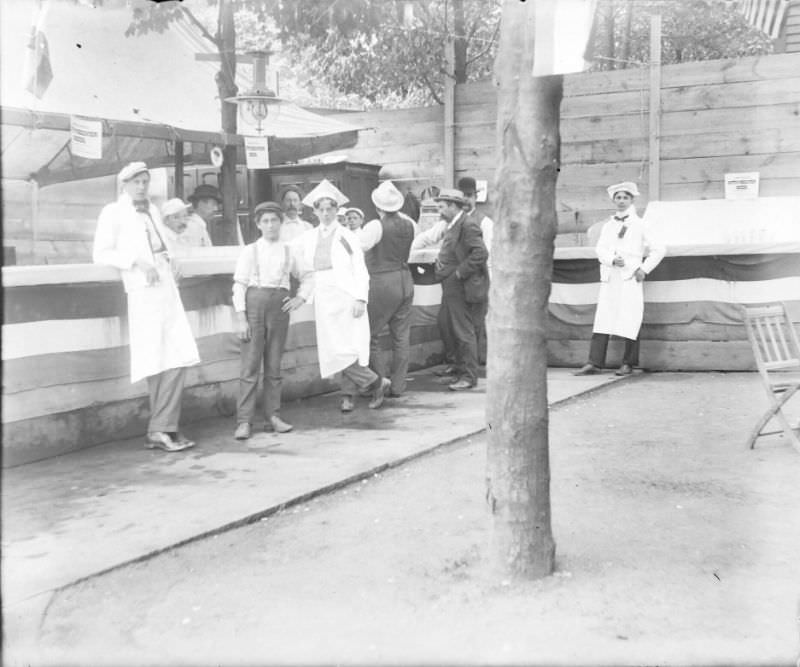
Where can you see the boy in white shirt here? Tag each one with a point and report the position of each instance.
(262, 303)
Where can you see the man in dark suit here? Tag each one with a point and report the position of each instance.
(461, 268)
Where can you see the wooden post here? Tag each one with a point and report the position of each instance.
(654, 181)
(449, 161)
(178, 169)
(34, 219)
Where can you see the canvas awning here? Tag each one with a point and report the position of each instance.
(149, 90)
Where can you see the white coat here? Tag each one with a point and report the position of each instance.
(620, 303)
(159, 334)
(341, 338)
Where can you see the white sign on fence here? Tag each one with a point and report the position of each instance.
(86, 137)
(257, 151)
(741, 186)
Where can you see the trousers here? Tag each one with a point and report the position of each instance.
(390, 296)
(166, 391)
(462, 320)
(356, 378)
(269, 326)
(599, 346)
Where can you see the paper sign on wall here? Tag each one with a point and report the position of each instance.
(741, 186)
(482, 188)
(257, 152)
(86, 137)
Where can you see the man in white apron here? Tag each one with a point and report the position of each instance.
(341, 288)
(130, 237)
(627, 253)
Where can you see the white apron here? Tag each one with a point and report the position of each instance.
(620, 302)
(159, 331)
(620, 306)
(341, 338)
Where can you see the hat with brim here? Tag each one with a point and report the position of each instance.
(354, 210)
(467, 185)
(625, 186)
(387, 197)
(451, 195)
(268, 207)
(132, 169)
(173, 206)
(325, 190)
(205, 191)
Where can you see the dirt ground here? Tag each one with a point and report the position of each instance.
(675, 545)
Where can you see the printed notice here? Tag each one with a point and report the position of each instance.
(741, 186)
(257, 151)
(86, 137)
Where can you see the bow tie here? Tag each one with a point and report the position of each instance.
(142, 206)
(621, 218)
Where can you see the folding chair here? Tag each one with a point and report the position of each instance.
(777, 353)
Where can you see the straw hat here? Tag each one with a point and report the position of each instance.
(451, 195)
(387, 197)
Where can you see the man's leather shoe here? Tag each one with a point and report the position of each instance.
(181, 439)
(242, 431)
(625, 369)
(279, 426)
(461, 385)
(379, 393)
(588, 369)
(161, 440)
(347, 404)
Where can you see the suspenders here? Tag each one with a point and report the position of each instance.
(284, 268)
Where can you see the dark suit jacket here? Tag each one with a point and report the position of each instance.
(463, 249)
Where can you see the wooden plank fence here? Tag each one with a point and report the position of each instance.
(716, 117)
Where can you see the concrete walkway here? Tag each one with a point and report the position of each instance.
(77, 515)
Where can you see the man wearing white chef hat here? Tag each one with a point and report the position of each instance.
(627, 253)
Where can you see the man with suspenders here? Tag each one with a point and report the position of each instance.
(262, 303)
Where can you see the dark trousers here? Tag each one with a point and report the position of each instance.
(356, 378)
(166, 391)
(448, 342)
(269, 326)
(390, 297)
(480, 332)
(599, 345)
(462, 318)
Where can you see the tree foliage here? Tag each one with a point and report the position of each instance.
(387, 50)
(691, 30)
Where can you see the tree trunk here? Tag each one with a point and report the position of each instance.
(226, 85)
(518, 472)
(610, 35)
(459, 42)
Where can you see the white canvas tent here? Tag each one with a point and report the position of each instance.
(148, 90)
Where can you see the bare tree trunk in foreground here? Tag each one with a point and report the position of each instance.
(518, 469)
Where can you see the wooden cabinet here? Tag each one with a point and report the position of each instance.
(355, 179)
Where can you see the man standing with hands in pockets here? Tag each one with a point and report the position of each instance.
(262, 303)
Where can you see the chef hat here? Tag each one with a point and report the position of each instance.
(132, 169)
(625, 186)
(325, 190)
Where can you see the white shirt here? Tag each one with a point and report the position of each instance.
(267, 264)
(196, 233)
(292, 229)
(435, 234)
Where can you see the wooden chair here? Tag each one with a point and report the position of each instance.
(777, 353)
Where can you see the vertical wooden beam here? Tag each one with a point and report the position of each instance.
(654, 181)
(178, 168)
(449, 157)
(34, 219)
